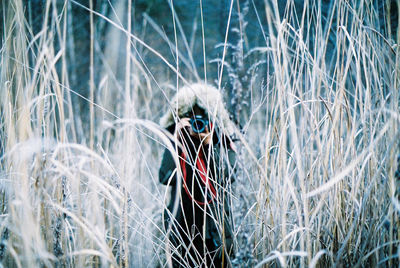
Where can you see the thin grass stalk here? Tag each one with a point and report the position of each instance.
(91, 78)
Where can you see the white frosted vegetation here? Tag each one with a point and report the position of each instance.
(317, 99)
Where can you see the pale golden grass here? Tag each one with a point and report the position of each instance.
(316, 160)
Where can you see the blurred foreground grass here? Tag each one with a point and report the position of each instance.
(314, 86)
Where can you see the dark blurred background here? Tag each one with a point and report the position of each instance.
(153, 23)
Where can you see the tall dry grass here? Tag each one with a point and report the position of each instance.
(318, 102)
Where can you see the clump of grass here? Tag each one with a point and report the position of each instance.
(316, 182)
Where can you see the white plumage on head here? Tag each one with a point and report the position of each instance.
(206, 97)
